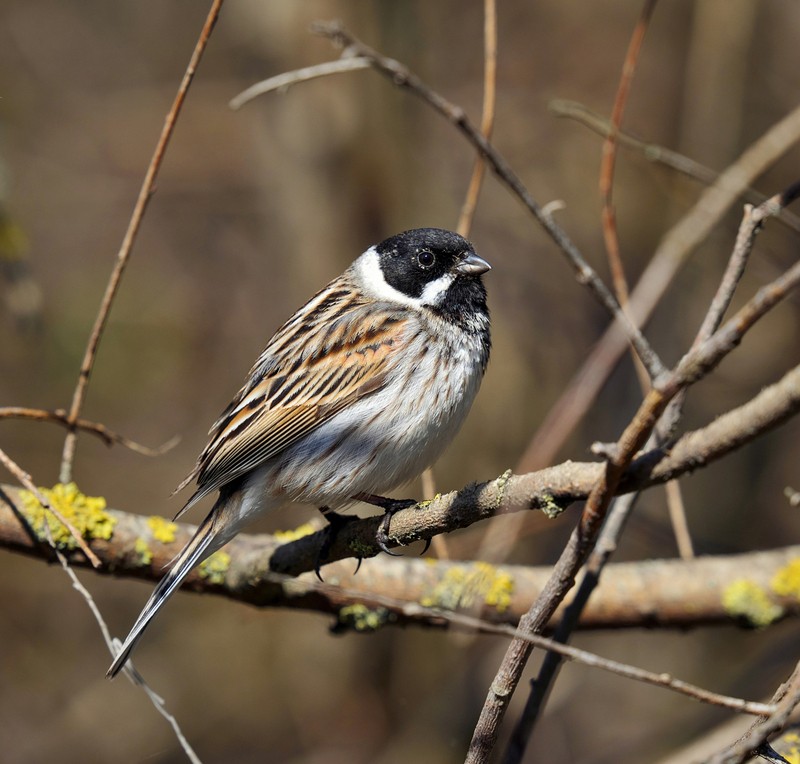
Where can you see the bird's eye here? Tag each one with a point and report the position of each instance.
(425, 259)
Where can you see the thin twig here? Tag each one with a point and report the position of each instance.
(692, 367)
(475, 183)
(26, 480)
(401, 76)
(283, 82)
(123, 255)
(607, 543)
(487, 116)
(671, 253)
(583, 657)
(609, 154)
(108, 436)
(787, 698)
(659, 154)
(114, 644)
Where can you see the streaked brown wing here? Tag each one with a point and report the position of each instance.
(303, 378)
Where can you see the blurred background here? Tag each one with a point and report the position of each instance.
(256, 210)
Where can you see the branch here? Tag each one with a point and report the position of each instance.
(146, 191)
(693, 366)
(403, 77)
(654, 593)
(108, 436)
(552, 489)
(282, 82)
(678, 243)
(659, 154)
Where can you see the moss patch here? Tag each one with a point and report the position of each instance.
(142, 550)
(463, 586)
(87, 513)
(361, 618)
(162, 530)
(786, 582)
(215, 567)
(306, 529)
(745, 599)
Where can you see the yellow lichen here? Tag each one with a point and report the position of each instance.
(786, 582)
(306, 529)
(142, 551)
(87, 513)
(550, 507)
(462, 586)
(162, 530)
(788, 746)
(215, 567)
(746, 599)
(362, 618)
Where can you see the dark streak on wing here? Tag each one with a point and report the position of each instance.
(313, 367)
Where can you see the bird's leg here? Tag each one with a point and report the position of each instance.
(336, 522)
(389, 507)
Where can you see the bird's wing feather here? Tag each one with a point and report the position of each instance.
(284, 399)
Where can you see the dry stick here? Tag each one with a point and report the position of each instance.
(787, 698)
(692, 367)
(108, 436)
(401, 76)
(26, 480)
(583, 657)
(622, 507)
(558, 486)
(473, 191)
(673, 250)
(114, 646)
(487, 116)
(609, 155)
(658, 154)
(123, 255)
(285, 81)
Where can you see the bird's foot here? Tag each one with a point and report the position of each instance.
(389, 507)
(335, 524)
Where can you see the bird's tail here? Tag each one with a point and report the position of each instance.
(204, 542)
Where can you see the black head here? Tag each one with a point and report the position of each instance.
(438, 268)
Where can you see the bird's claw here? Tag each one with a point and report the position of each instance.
(390, 507)
(335, 524)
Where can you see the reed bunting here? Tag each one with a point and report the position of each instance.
(356, 394)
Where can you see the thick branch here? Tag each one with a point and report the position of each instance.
(552, 489)
(662, 593)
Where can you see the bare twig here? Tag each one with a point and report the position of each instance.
(579, 656)
(787, 698)
(546, 677)
(553, 488)
(673, 250)
(692, 367)
(26, 480)
(610, 154)
(108, 436)
(659, 154)
(123, 255)
(283, 82)
(113, 645)
(474, 189)
(401, 76)
(659, 594)
(487, 117)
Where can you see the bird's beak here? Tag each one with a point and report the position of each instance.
(472, 265)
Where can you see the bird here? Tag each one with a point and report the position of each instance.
(356, 394)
